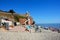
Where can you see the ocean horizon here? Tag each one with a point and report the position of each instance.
(54, 25)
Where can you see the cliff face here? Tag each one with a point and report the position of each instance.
(20, 17)
(22, 20)
(6, 15)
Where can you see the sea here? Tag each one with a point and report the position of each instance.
(54, 25)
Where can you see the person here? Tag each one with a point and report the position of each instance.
(28, 28)
(15, 24)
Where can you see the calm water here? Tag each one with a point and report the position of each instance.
(57, 25)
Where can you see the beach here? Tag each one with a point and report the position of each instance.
(29, 36)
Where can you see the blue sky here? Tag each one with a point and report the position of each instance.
(42, 11)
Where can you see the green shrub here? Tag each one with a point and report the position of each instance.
(16, 17)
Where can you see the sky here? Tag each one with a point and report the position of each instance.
(42, 11)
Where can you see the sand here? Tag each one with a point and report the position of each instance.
(29, 36)
(18, 35)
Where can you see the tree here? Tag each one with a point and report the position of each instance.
(11, 11)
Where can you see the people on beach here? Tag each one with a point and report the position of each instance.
(28, 28)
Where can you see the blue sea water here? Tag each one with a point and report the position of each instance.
(55, 25)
